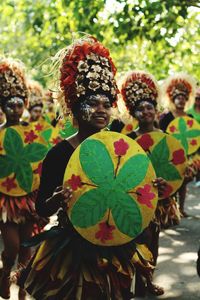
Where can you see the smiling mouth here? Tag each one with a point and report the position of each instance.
(100, 118)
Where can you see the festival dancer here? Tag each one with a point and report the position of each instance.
(66, 266)
(141, 93)
(35, 100)
(178, 95)
(17, 213)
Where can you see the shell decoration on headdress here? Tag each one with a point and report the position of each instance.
(12, 80)
(86, 69)
(138, 86)
(35, 94)
(178, 84)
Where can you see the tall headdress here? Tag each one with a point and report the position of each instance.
(12, 80)
(178, 84)
(139, 86)
(35, 94)
(86, 69)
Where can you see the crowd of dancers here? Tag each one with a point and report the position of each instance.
(40, 132)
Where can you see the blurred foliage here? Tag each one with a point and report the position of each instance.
(160, 36)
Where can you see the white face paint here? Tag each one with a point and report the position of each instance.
(14, 108)
(138, 113)
(88, 107)
(180, 101)
(86, 111)
(11, 103)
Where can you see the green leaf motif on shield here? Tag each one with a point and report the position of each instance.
(185, 134)
(160, 160)
(18, 158)
(111, 191)
(98, 169)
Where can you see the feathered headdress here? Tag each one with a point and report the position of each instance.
(138, 86)
(86, 69)
(178, 84)
(12, 80)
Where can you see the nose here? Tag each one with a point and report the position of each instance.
(144, 111)
(101, 108)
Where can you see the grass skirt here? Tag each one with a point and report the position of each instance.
(67, 267)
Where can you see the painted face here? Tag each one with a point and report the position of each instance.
(13, 109)
(180, 101)
(96, 110)
(36, 113)
(145, 112)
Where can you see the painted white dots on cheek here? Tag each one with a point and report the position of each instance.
(87, 111)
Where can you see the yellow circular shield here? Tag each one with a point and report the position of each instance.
(113, 195)
(21, 153)
(187, 131)
(168, 158)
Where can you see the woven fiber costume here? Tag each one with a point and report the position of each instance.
(141, 94)
(17, 197)
(141, 86)
(69, 264)
(21, 153)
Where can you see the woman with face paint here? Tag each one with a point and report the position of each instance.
(17, 213)
(35, 100)
(178, 95)
(141, 93)
(76, 269)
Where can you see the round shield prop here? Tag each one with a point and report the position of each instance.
(129, 127)
(21, 155)
(187, 131)
(168, 158)
(113, 196)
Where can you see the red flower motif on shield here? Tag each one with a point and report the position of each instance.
(178, 157)
(190, 123)
(193, 142)
(121, 147)
(167, 191)
(9, 184)
(39, 169)
(38, 127)
(172, 128)
(145, 142)
(129, 127)
(30, 136)
(75, 182)
(145, 196)
(105, 232)
(56, 140)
